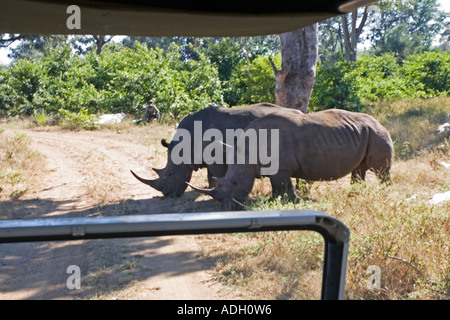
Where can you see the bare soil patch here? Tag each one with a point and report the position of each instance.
(87, 174)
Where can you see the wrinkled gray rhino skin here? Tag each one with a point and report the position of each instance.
(172, 179)
(324, 145)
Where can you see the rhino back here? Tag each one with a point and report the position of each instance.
(223, 118)
(323, 145)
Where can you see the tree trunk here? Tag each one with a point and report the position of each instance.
(351, 37)
(100, 41)
(295, 80)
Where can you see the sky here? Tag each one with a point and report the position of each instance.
(445, 4)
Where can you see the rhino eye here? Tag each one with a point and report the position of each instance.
(234, 183)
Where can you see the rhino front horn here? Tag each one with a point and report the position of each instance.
(209, 192)
(152, 183)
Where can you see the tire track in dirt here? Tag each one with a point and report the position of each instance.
(38, 270)
(140, 268)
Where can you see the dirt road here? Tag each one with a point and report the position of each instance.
(88, 175)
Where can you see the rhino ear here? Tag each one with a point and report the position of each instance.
(164, 143)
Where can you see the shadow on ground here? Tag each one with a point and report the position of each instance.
(44, 208)
(107, 265)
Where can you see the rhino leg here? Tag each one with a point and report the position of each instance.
(379, 158)
(282, 184)
(384, 175)
(381, 171)
(358, 175)
(382, 166)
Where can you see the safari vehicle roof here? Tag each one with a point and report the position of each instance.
(170, 18)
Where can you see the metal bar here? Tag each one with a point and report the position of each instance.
(335, 233)
(334, 269)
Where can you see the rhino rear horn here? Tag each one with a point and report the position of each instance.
(239, 204)
(156, 184)
(164, 143)
(158, 171)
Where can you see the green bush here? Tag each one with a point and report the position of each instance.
(5, 88)
(336, 86)
(379, 78)
(75, 120)
(123, 79)
(19, 89)
(119, 80)
(346, 85)
(423, 75)
(428, 72)
(254, 81)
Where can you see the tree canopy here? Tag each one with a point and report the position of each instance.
(406, 55)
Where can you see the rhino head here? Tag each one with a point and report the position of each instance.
(171, 179)
(233, 188)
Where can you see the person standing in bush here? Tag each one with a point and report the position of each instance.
(151, 112)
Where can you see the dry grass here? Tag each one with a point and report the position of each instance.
(268, 265)
(394, 228)
(106, 187)
(100, 180)
(413, 123)
(20, 166)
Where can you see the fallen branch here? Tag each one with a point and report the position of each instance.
(407, 262)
